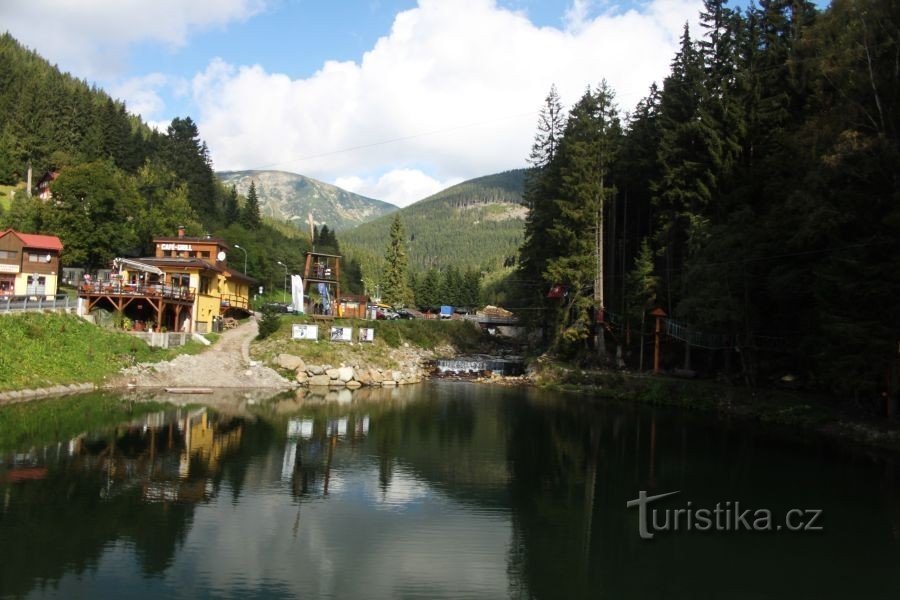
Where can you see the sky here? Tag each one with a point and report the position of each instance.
(392, 99)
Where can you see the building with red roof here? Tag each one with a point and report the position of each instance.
(29, 264)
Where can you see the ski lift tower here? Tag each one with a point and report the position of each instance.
(324, 271)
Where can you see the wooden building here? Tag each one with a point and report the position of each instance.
(322, 275)
(186, 286)
(29, 264)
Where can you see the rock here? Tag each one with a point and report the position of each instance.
(302, 377)
(376, 375)
(290, 362)
(353, 385)
(397, 376)
(315, 370)
(333, 373)
(364, 378)
(388, 383)
(345, 374)
(319, 380)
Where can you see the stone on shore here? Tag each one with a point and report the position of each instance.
(290, 362)
(320, 380)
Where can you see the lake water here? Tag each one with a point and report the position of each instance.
(444, 490)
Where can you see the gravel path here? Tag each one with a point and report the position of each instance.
(226, 364)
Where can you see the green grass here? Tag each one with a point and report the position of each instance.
(6, 192)
(462, 335)
(41, 422)
(42, 350)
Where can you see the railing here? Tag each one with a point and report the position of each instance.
(114, 288)
(234, 301)
(21, 303)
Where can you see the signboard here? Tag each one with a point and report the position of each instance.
(303, 331)
(341, 334)
(366, 334)
(179, 247)
(9, 268)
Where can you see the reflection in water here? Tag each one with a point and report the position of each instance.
(448, 490)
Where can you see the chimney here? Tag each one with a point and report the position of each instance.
(181, 231)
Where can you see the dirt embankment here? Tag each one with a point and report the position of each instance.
(226, 364)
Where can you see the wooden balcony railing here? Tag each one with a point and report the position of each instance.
(156, 290)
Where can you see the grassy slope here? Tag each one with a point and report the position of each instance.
(389, 335)
(41, 350)
(462, 225)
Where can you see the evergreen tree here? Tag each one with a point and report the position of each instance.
(589, 146)
(250, 214)
(395, 290)
(232, 210)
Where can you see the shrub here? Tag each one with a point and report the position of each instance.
(268, 323)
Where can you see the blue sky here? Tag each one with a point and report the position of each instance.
(394, 99)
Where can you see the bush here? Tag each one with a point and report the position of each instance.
(269, 323)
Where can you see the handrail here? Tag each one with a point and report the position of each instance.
(116, 288)
(9, 303)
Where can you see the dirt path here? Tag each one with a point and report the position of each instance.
(226, 364)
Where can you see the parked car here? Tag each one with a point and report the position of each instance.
(386, 314)
(408, 313)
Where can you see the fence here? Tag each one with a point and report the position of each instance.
(24, 303)
(163, 340)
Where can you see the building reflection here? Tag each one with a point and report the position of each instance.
(310, 446)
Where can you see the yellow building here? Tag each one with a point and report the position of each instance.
(186, 286)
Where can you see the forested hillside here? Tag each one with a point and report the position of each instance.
(753, 197)
(120, 183)
(477, 224)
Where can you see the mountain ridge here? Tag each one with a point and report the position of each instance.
(290, 197)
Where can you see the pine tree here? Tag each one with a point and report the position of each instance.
(395, 289)
(250, 214)
(589, 145)
(232, 211)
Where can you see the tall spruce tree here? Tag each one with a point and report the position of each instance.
(592, 137)
(250, 217)
(395, 289)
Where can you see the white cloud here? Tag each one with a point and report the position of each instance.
(451, 93)
(141, 94)
(398, 186)
(91, 37)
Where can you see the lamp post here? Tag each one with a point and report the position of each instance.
(245, 257)
(284, 296)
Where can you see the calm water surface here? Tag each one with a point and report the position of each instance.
(445, 490)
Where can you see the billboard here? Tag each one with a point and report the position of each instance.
(341, 334)
(303, 331)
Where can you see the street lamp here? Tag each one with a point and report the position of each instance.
(245, 257)
(284, 297)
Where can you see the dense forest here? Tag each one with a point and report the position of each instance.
(752, 197)
(476, 224)
(128, 181)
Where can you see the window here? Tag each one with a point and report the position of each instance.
(38, 258)
(204, 285)
(8, 254)
(204, 254)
